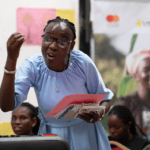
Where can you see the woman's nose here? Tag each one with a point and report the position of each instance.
(112, 130)
(17, 121)
(53, 45)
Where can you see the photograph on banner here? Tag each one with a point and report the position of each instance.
(119, 28)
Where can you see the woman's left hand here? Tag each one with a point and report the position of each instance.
(91, 117)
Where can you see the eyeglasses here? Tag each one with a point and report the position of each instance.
(60, 42)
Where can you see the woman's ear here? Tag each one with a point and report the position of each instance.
(34, 120)
(72, 45)
(129, 123)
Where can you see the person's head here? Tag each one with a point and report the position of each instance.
(58, 42)
(138, 66)
(24, 119)
(121, 123)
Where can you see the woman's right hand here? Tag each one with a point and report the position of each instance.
(14, 44)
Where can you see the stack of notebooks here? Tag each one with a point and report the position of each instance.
(72, 105)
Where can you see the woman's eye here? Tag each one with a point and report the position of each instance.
(146, 70)
(62, 41)
(13, 118)
(23, 118)
(48, 39)
(117, 127)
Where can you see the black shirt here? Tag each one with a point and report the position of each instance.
(136, 143)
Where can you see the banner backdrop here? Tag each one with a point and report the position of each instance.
(119, 28)
(120, 20)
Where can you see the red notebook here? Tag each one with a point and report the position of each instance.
(75, 99)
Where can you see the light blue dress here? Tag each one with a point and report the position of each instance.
(80, 77)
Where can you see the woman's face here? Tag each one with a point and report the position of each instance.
(56, 53)
(143, 73)
(21, 121)
(117, 129)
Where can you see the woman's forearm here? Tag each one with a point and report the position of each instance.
(7, 102)
(106, 104)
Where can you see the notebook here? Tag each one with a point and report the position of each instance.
(74, 103)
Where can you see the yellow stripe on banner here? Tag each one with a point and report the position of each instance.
(67, 14)
(5, 128)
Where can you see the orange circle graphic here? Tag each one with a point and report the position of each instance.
(112, 18)
(116, 18)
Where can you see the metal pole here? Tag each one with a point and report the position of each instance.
(84, 26)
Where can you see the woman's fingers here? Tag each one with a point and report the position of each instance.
(13, 38)
(9, 39)
(89, 117)
(18, 42)
(17, 39)
(14, 44)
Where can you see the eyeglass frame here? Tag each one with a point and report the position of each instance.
(58, 44)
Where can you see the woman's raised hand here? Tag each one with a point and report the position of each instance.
(14, 44)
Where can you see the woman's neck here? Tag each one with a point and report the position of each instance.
(144, 93)
(126, 139)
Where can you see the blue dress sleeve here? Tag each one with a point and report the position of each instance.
(94, 81)
(24, 79)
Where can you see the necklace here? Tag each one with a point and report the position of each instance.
(57, 89)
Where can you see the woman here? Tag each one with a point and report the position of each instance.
(24, 120)
(57, 72)
(138, 67)
(122, 128)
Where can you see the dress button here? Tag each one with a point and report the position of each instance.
(56, 89)
(70, 64)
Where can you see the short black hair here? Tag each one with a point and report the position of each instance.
(68, 23)
(33, 113)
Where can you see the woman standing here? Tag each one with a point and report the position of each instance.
(57, 72)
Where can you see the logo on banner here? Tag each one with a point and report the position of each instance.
(140, 23)
(112, 18)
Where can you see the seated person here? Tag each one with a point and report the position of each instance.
(122, 128)
(24, 120)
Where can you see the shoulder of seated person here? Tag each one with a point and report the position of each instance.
(126, 100)
(129, 97)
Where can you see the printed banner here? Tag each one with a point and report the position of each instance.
(119, 21)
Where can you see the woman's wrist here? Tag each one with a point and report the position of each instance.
(10, 65)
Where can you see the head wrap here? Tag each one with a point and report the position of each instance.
(133, 60)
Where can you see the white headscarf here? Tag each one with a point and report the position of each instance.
(133, 60)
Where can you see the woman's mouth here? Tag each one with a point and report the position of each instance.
(17, 129)
(51, 56)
